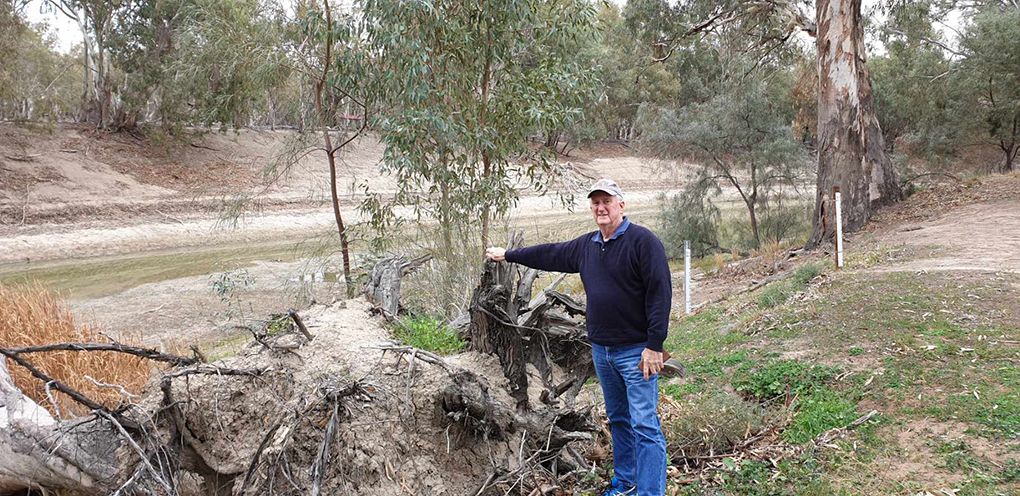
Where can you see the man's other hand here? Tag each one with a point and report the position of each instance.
(495, 253)
(651, 362)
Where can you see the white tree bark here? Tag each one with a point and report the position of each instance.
(851, 148)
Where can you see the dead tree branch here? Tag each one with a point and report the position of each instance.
(147, 353)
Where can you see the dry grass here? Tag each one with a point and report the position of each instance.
(31, 315)
(771, 251)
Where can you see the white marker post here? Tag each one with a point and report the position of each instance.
(839, 226)
(687, 277)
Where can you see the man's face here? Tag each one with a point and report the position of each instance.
(606, 208)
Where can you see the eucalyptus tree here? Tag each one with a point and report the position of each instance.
(629, 81)
(851, 147)
(462, 85)
(913, 82)
(36, 82)
(95, 19)
(741, 136)
(990, 70)
(337, 69)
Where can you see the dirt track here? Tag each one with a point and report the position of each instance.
(980, 237)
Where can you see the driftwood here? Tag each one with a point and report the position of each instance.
(37, 451)
(383, 289)
(505, 320)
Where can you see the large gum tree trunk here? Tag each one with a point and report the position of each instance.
(851, 148)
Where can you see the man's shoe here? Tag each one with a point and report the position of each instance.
(617, 488)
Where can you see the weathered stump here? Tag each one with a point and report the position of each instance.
(383, 288)
(521, 331)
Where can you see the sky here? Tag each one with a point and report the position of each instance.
(65, 30)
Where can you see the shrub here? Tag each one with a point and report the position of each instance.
(805, 273)
(774, 294)
(30, 316)
(688, 215)
(429, 334)
(710, 422)
(777, 293)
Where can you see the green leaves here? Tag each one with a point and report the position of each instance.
(461, 87)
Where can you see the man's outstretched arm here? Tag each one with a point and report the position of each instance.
(551, 257)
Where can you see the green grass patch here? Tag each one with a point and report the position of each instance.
(776, 378)
(1010, 471)
(805, 273)
(429, 334)
(715, 365)
(929, 347)
(703, 334)
(681, 391)
(818, 412)
(777, 293)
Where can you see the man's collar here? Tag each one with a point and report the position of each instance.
(597, 237)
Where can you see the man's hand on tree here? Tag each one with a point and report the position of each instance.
(495, 253)
(651, 362)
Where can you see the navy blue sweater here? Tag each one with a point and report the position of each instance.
(626, 279)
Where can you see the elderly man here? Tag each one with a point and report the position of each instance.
(626, 278)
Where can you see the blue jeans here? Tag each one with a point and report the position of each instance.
(639, 447)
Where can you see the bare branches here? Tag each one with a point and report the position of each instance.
(299, 323)
(143, 457)
(72, 393)
(425, 356)
(214, 370)
(147, 353)
(721, 16)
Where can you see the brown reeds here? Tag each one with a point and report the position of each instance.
(31, 315)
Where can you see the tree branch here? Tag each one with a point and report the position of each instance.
(147, 353)
(68, 390)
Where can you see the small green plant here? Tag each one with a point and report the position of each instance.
(960, 458)
(818, 412)
(806, 273)
(777, 378)
(1011, 471)
(226, 286)
(774, 294)
(747, 477)
(429, 334)
(856, 351)
(278, 324)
